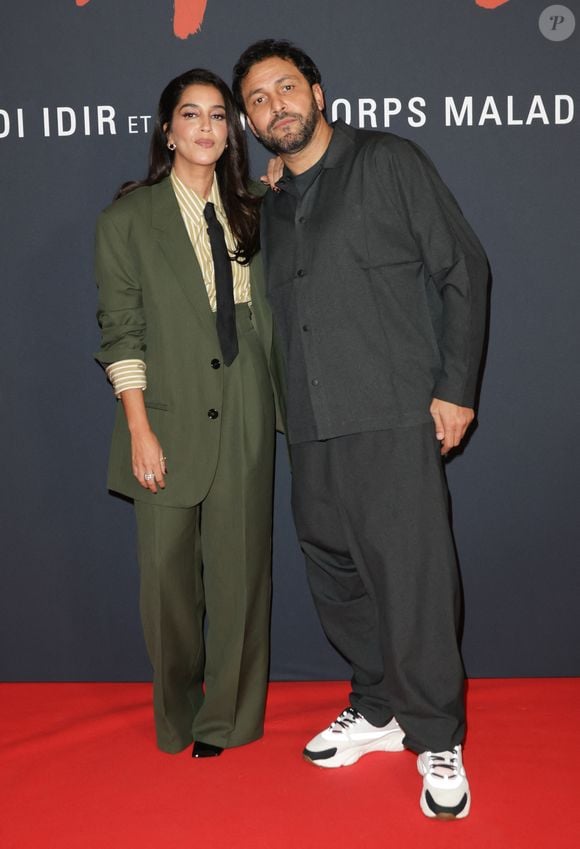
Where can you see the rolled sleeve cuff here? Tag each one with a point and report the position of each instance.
(127, 374)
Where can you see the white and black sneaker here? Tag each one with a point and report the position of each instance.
(350, 737)
(445, 789)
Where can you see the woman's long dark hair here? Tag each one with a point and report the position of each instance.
(241, 207)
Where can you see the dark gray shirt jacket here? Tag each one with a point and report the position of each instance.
(378, 288)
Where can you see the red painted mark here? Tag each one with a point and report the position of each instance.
(491, 4)
(187, 19)
(189, 14)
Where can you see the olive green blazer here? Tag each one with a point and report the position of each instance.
(153, 306)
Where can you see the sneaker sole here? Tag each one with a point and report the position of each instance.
(446, 816)
(347, 757)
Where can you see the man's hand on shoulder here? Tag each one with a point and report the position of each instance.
(451, 422)
(274, 172)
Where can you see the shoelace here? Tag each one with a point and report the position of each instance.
(444, 764)
(348, 717)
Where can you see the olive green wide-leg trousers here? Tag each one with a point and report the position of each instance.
(213, 561)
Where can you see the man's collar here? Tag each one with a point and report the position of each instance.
(340, 141)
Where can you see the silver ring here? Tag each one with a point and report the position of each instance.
(149, 476)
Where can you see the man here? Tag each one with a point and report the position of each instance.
(378, 289)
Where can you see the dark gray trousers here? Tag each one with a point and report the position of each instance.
(371, 511)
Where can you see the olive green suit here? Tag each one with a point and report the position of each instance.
(205, 540)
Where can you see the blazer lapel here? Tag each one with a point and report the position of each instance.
(178, 251)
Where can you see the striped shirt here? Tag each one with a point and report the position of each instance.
(130, 374)
(192, 206)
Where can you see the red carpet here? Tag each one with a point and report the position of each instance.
(79, 770)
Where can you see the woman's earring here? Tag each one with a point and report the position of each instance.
(171, 145)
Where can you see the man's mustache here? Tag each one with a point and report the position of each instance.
(279, 118)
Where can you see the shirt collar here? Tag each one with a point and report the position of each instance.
(340, 141)
(192, 203)
(342, 138)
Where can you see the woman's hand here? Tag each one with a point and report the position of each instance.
(273, 173)
(148, 460)
(149, 463)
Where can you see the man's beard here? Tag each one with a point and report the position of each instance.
(291, 142)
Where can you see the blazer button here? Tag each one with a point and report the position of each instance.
(212, 414)
(215, 363)
(301, 272)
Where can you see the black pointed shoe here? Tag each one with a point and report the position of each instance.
(205, 750)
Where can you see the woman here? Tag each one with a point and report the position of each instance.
(194, 432)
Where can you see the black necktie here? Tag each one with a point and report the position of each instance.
(224, 287)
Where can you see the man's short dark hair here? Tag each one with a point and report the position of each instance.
(266, 49)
